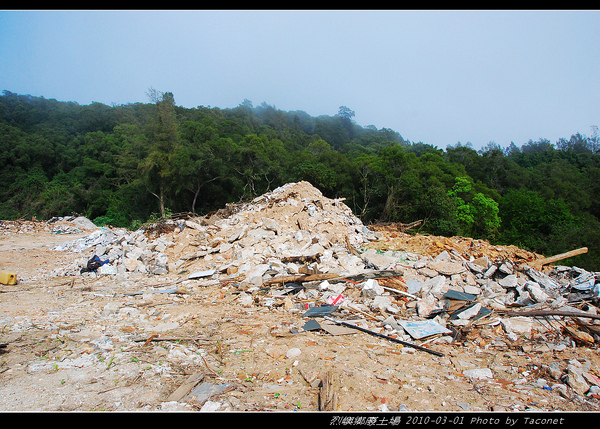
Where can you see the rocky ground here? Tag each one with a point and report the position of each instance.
(213, 314)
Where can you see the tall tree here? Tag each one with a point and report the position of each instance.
(156, 168)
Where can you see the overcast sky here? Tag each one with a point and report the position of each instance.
(439, 77)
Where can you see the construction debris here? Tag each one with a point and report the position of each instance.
(296, 235)
(295, 252)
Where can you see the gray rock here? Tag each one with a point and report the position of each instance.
(536, 292)
(107, 269)
(490, 272)
(377, 261)
(594, 390)
(436, 286)
(506, 268)
(542, 279)
(444, 256)
(560, 388)
(519, 325)
(509, 281)
(479, 373)
(575, 380)
(473, 290)
(158, 270)
(414, 286)
(476, 268)
(470, 312)
(293, 352)
(464, 405)
(371, 288)
(446, 268)
(245, 300)
(84, 223)
(554, 370)
(428, 272)
(426, 305)
(492, 289)
(384, 303)
(270, 224)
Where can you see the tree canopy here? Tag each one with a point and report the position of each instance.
(125, 164)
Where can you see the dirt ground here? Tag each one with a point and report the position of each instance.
(90, 343)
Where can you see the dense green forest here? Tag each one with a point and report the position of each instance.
(126, 164)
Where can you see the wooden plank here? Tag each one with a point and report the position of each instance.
(327, 395)
(541, 262)
(301, 278)
(185, 388)
(540, 313)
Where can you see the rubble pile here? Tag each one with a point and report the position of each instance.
(306, 250)
(56, 225)
(296, 253)
(282, 232)
(121, 251)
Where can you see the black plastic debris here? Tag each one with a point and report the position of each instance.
(93, 264)
(311, 325)
(324, 310)
(459, 296)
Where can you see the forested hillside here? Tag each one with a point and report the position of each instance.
(127, 164)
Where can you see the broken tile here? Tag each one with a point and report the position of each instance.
(422, 328)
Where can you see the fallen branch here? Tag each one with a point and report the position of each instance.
(15, 291)
(580, 335)
(303, 259)
(175, 291)
(376, 274)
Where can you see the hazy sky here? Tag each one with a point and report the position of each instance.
(439, 77)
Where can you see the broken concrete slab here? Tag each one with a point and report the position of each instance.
(509, 281)
(479, 373)
(536, 292)
(518, 325)
(205, 390)
(574, 378)
(201, 274)
(446, 268)
(378, 261)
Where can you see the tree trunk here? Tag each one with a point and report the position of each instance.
(387, 209)
(161, 199)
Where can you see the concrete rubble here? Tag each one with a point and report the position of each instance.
(294, 232)
(293, 250)
(263, 238)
